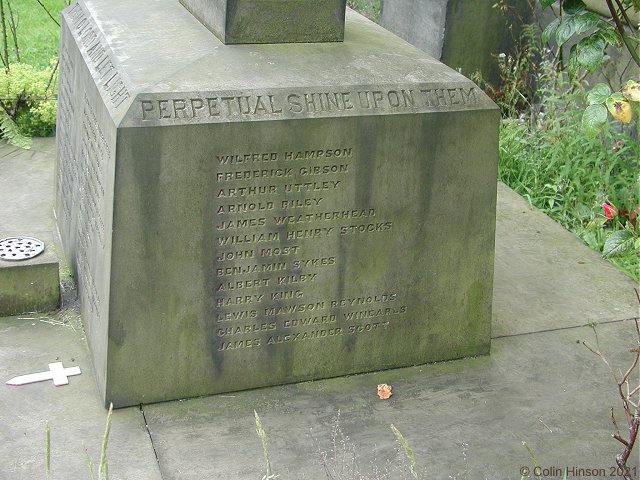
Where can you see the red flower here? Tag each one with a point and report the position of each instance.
(609, 210)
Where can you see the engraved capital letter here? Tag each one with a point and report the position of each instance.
(147, 107)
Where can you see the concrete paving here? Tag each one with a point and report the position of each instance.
(465, 419)
(26, 202)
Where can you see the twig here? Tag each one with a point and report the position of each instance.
(5, 44)
(624, 456)
(621, 30)
(31, 99)
(620, 439)
(633, 418)
(48, 13)
(597, 352)
(53, 74)
(625, 377)
(615, 424)
(623, 11)
(14, 31)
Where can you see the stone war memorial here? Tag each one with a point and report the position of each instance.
(254, 193)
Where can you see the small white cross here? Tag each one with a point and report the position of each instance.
(56, 372)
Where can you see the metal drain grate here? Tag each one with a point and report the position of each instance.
(20, 248)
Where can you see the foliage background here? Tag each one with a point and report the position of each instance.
(38, 35)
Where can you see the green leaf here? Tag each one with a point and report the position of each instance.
(598, 94)
(546, 3)
(590, 53)
(594, 117)
(572, 63)
(573, 6)
(617, 243)
(11, 132)
(609, 34)
(636, 244)
(586, 22)
(565, 30)
(550, 31)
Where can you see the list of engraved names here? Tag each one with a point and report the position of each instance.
(280, 218)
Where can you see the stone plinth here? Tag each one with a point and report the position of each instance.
(251, 215)
(30, 286)
(271, 21)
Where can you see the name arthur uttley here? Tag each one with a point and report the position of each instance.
(218, 107)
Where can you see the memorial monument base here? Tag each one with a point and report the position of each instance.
(251, 215)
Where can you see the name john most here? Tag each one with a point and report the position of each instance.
(214, 106)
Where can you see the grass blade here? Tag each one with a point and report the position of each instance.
(407, 450)
(47, 451)
(102, 469)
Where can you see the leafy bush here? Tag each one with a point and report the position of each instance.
(570, 174)
(594, 34)
(27, 88)
(27, 101)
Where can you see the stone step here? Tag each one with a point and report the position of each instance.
(31, 285)
(26, 188)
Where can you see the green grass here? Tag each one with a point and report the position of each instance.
(569, 174)
(368, 8)
(38, 35)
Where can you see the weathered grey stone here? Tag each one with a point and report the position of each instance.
(271, 21)
(74, 412)
(464, 35)
(25, 191)
(30, 285)
(263, 214)
(471, 408)
(420, 23)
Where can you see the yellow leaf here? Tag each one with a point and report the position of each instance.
(631, 91)
(621, 110)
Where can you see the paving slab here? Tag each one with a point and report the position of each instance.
(546, 278)
(27, 186)
(464, 419)
(75, 413)
(26, 197)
